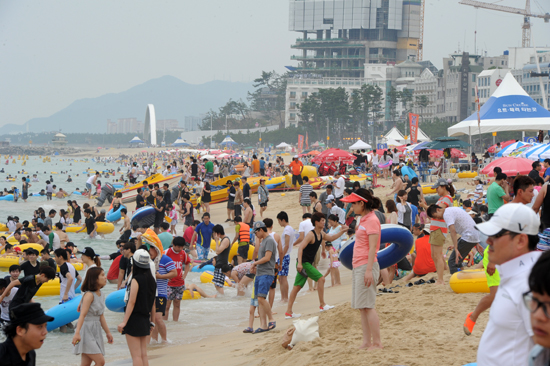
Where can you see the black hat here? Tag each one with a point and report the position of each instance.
(29, 313)
(70, 244)
(89, 252)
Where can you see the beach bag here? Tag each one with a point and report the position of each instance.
(287, 338)
(306, 330)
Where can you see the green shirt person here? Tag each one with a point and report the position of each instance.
(497, 193)
(209, 167)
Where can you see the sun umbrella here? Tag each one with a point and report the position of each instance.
(502, 145)
(228, 141)
(209, 157)
(314, 153)
(333, 155)
(545, 154)
(534, 152)
(520, 150)
(442, 143)
(419, 146)
(508, 149)
(509, 166)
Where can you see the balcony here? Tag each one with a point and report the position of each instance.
(343, 68)
(312, 45)
(327, 40)
(329, 57)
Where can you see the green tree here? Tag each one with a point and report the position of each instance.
(422, 102)
(270, 96)
(366, 106)
(392, 98)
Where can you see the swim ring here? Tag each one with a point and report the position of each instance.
(102, 228)
(36, 246)
(64, 313)
(50, 288)
(235, 248)
(207, 276)
(469, 280)
(208, 267)
(386, 165)
(467, 174)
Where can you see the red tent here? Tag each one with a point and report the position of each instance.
(334, 155)
(509, 166)
(502, 144)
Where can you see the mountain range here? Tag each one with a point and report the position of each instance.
(172, 98)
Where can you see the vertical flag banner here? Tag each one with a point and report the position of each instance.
(307, 141)
(300, 143)
(413, 127)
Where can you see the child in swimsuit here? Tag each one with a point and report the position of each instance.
(334, 264)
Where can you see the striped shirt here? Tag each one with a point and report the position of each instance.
(305, 190)
(166, 265)
(444, 202)
(478, 194)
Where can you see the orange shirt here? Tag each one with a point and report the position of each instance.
(255, 166)
(423, 264)
(296, 167)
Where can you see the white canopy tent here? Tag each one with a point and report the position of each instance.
(360, 144)
(282, 145)
(421, 137)
(395, 135)
(510, 108)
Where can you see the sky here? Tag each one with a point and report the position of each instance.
(57, 51)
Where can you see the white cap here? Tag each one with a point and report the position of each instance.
(514, 217)
(295, 156)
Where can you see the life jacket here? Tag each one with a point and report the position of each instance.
(342, 169)
(323, 169)
(332, 169)
(244, 232)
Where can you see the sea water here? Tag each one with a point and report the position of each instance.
(198, 318)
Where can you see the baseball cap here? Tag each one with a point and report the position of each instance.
(258, 225)
(330, 198)
(295, 156)
(440, 182)
(514, 217)
(141, 258)
(89, 252)
(29, 313)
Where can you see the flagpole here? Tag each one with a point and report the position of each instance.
(478, 119)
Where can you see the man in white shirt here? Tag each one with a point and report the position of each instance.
(305, 227)
(458, 222)
(339, 187)
(287, 239)
(512, 238)
(335, 210)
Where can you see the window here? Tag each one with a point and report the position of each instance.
(293, 94)
(473, 78)
(304, 94)
(292, 105)
(473, 92)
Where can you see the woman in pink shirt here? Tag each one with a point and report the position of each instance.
(366, 269)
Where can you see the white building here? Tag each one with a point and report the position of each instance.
(488, 81)
(426, 85)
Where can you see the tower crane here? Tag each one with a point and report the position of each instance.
(420, 51)
(526, 26)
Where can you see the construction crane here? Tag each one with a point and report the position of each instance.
(526, 27)
(420, 51)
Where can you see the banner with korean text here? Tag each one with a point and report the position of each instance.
(413, 127)
(300, 143)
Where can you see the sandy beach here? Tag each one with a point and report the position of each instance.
(420, 325)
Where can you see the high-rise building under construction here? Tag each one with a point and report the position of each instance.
(340, 36)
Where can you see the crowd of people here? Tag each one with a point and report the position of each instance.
(502, 231)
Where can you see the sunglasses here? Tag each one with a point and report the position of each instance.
(499, 235)
(532, 304)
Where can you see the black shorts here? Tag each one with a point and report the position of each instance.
(188, 220)
(263, 204)
(274, 283)
(230, 205)
(250, 275)
(297, 178)
(160, 305)
(262, 171)
(242, 251)
(237, 210)
(158, 221)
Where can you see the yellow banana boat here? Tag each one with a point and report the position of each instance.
(102, 228)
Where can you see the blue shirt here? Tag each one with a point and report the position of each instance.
(414, 212)
(166, 265)
(204, 234)
(547, 172)
(262, 164)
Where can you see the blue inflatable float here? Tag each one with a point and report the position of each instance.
(114, 215)
(400, 237)
(64, 313)
(405, 170)
(208, 267)
(8, 197)
(77, 193)
(115, 301)
(144, 216)
(118, 186)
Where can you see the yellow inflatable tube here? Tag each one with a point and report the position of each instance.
(428, 190)
(467, 174)
(50, 288)
(235, 248)
(77, 266)
(7, 261)
(207, 276)
(308, 171)
(102, 228)
(36, 246)
(469, 280)
(187, 295)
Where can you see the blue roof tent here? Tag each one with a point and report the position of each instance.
(137, 140)
(510, 108)
(228, 141)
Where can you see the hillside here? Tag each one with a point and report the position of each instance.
(173, 99)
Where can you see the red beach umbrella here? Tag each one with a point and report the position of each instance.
(509, 166)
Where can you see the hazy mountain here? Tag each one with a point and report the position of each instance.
(172, 98)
